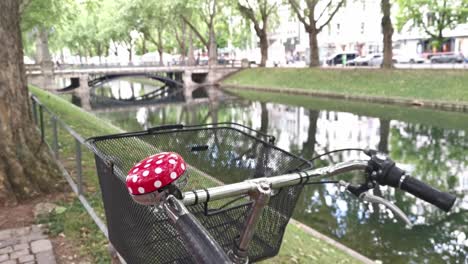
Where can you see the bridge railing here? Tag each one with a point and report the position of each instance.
(30, 68)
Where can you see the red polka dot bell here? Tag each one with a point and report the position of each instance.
(154, 173)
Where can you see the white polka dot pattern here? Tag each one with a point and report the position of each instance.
(155, 172)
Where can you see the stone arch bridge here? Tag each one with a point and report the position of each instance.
(84, 78)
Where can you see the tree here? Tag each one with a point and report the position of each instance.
(314, 21)
(82, 34)
(151, 18)
(259, 12)
(433, 17)
(387, 30)
(26, 168)
(42, 18)
(240, 34)
(201, 16)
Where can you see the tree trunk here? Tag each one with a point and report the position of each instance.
(387, 29)
(308, 147)
(191, 57)
(183, 44)
(26, 169)
(439, 41)
(160, 47)
(264, 119)
(384, 133)
(42, 46)
(161, 61)
(314, 50)
(62, 57)
(212, 48)
(145, 50)
(263, 49)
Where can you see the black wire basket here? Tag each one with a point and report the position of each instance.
(216, 154)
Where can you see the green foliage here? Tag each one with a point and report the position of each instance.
(432, 16)
(96, 27)
(241, 34)
(262, 13)
(43, 13)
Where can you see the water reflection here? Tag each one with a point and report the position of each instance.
(434, 154)
(124, 90)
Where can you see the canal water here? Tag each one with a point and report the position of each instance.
(431, 145)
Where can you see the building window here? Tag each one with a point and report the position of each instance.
(362, 27)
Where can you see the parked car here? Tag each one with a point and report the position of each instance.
(369, 60)
(407, 58)
(337, 58)
(448, 58)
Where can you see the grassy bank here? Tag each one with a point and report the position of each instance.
(436, 85)
(75, 224)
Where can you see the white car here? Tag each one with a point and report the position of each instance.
(369, 60)
(407, 58)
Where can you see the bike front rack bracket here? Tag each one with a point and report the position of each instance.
(261, 197)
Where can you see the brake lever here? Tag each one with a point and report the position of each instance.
(376, 199)
(362, 193)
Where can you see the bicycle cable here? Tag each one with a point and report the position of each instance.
(337, 150)
(328, 153)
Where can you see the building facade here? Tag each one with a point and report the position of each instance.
(355, 27)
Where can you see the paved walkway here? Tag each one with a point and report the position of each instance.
(28, 245)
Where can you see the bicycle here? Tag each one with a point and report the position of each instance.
(252, 213)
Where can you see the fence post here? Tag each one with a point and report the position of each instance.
(79, 178)
(41, 120)
(55, 137)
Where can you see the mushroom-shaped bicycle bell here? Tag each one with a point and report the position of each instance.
(151, 179)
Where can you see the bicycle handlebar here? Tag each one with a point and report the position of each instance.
(385, 172)
(276, 182)
(382, 170)
(423, 191)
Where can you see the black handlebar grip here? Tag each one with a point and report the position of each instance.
(199, 242)
(423, 191)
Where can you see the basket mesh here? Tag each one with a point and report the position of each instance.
(216, 155)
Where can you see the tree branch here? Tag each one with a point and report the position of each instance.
(295, 7)
(331, 15)
(249, 14)
(325, 9)
(192, 27)
(177, 35)
(268, 13)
